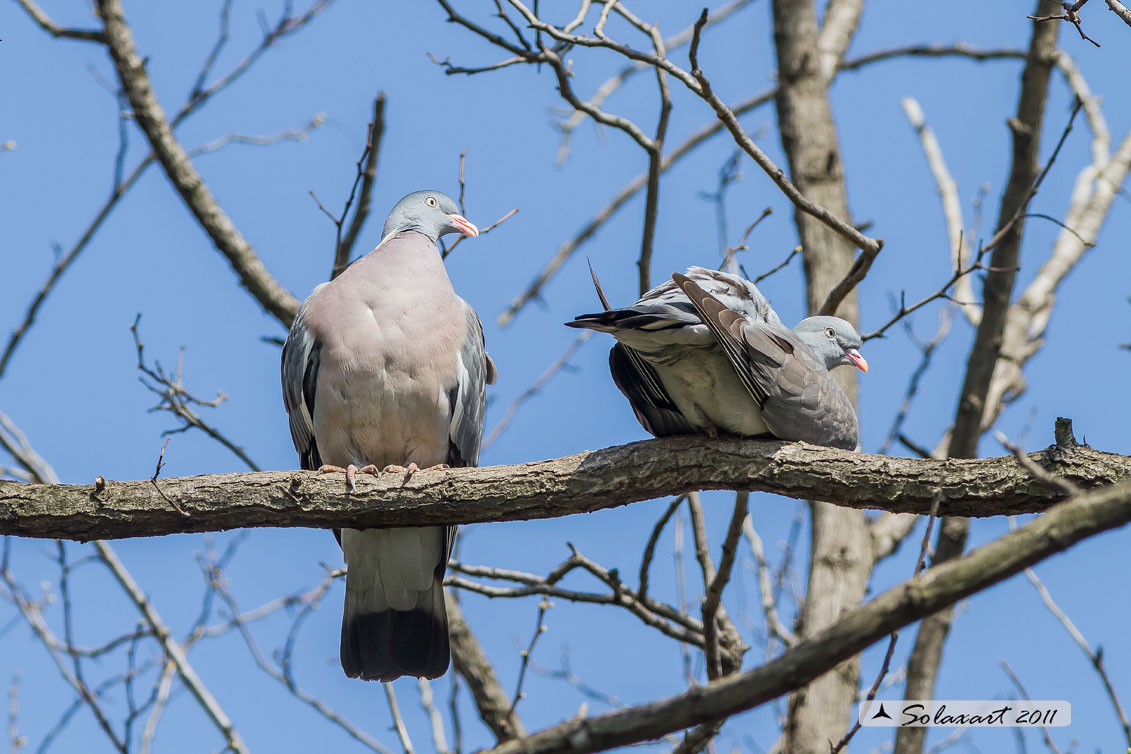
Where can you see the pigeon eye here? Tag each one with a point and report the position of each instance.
(830, 332)
(430, 201)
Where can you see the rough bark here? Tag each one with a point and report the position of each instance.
(840, 560)
(589, 481)
(969, 423)
(933, 589)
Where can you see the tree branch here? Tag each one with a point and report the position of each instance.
(938, 587)
(150, 117)
(588, 481)
(40, 17)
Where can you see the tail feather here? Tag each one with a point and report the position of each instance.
(383, 646)
(395, 621)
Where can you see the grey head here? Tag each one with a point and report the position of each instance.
(431, 213)
(832, 340)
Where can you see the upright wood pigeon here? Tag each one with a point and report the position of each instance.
(385, 368)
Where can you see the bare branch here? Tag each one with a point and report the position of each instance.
(1120, 10)
(34, 616)
(585, 482)
(837, 31)
(885, 665)
(869, 246)
(946, 319)
(1017, 682)
(398, 722)
(178, 401)
(661, 616)
(952, 208)
(471, 663)
(536, 387)
(1095, 657)
(774, 626)
(172, 649)
(151, 119)
(291, 134)
(539, 629)
(44, 21)
(712, 601)
(1071, 15)
(439, 740)
(653, 540)
(933, 589)
(611, 85)
(629, 190)
(366, 175)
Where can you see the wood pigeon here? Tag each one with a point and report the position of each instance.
(705, 353)
(385, 368)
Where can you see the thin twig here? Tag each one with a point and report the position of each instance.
(1017, 682)
(173, 650)
(774, 626)
(560, 365)
(44, 21)
(15, 740)
(539, 629)
(439, 741)
(919, 565)
(712, 600)
(178, 401)
(661, 616)
(398, 723)
(730, 251)
(366, 175)
(927, 351)
(653, 540)
(869, 247)
(1071, 15)
(781, 266)
(1095, 657)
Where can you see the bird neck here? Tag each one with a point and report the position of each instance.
(409, 228)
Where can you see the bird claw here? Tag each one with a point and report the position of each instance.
(351, 472)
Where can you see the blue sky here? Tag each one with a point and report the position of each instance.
(72, 386)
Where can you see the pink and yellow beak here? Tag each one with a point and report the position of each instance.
(856, 359)
(466, 226)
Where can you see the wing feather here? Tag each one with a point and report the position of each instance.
(301, 358)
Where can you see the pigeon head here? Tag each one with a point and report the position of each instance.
(833, 340)
(432, 213)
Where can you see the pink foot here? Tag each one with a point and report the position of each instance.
(351, 472)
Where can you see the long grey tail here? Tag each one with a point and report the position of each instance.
(384, 644)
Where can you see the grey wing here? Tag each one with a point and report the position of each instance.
(735, 293)
(727, 327)
(798, 396)
(300, 376)
(806, 403)
(468, 397)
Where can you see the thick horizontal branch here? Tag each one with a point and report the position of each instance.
(581, 483)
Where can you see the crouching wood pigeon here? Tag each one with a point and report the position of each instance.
(385, 368)
(706, 353)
